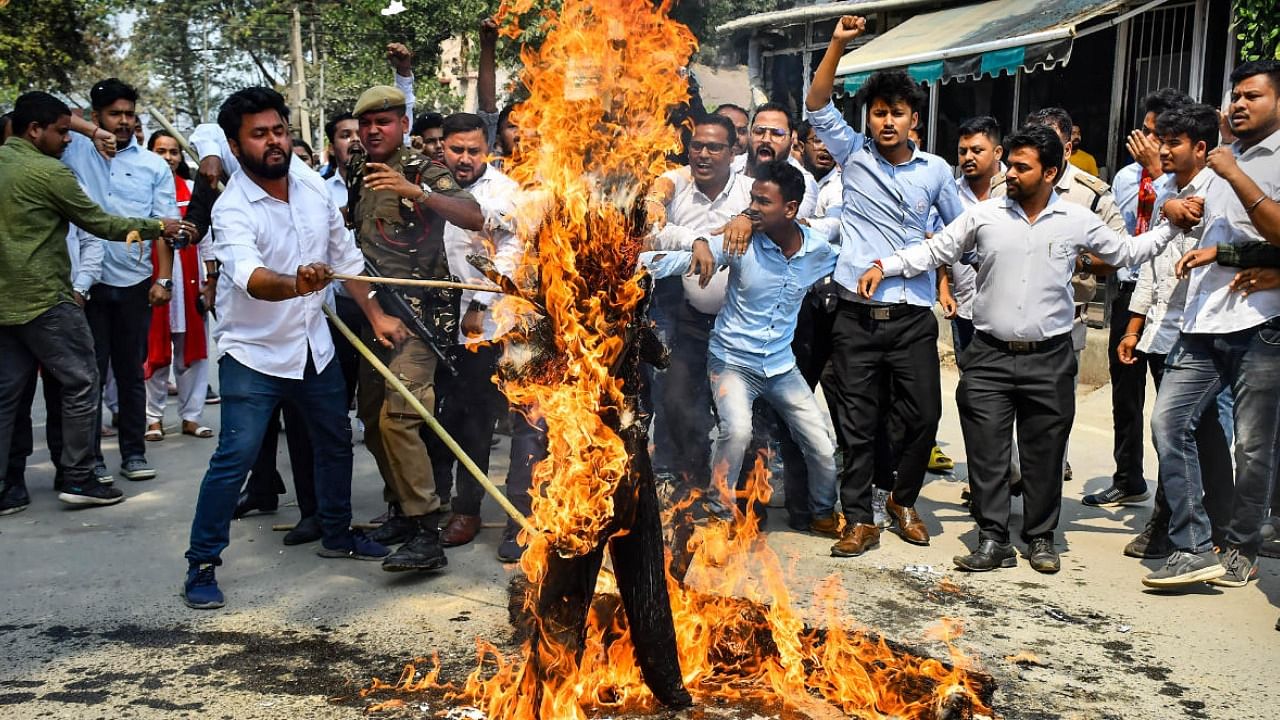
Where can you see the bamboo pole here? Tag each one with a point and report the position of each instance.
(430, 419)
(410, 282)
(182, 140)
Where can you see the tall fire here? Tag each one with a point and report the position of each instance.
(595, 132)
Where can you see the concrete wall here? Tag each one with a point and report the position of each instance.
(1093, 359)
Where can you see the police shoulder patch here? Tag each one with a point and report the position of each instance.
(1096, 184)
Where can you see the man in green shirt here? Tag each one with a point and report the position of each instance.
(41, 320)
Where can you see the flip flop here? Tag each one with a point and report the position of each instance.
(200, 431)
(154, 433)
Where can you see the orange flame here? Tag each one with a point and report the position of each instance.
(594, 135)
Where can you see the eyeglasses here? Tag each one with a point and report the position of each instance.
(762, 130)
(712, 147)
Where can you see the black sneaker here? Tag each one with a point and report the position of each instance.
(1115, 496)
(90, 493)
(357, 547)
(211, 397)
(1240, 570)
(422, 552)
(137, 469)
(306, 531)
(510, 550)
(1270, 532)
(101, 474)
(1186, 568)
(397, 529)
(1150, 544)
(14, 498)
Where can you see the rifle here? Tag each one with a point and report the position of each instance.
(399, 307)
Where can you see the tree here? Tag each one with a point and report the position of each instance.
(1257, 27)
(43, 43)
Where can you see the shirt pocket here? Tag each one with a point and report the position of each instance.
(132, 190)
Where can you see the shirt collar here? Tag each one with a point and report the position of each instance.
(915, 153)
(253, 192)
(808, 242)
(1065, 177)
(728, 187)
(1270, 143)
(1015, 207)
(1197, 184)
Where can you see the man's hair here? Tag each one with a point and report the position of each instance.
(331, 127)
(426, 121)
(110, 90)
(731, 106)
(1197, 121)
(463, 122)
(719, 121)
(36, 107)
(1164, 99)
(504, 117)
(892, 86)
(803, 129)
(773, 107)
(788, 179)
(305, 145)
(249, 101)
(984, 125)
(1045, 141)
(1270, 68)
(1051, 117)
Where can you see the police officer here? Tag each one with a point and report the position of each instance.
(399, 201)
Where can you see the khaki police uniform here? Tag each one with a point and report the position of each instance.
(404, 239)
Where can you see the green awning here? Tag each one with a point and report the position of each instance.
(967, 42)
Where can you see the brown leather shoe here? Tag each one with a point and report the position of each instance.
(461, 530)
(910, 527)
(828, 526)
(855, 540)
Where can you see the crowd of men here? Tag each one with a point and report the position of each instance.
(787, 255)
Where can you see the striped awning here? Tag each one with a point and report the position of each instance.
(970, 41)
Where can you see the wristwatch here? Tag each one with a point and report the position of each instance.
(1086, 262)
(165, 283)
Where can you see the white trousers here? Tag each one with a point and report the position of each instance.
(192, 381)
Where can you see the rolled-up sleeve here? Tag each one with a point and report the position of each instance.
(1144, 293)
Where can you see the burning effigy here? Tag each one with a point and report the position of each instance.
(596, 132)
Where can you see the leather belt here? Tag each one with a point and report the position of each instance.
(1024, 346)
(881, 312)
(1128, 286)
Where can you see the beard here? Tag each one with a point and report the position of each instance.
(265, 169)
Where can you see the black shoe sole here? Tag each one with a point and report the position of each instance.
(1047, 569)
(398, 566)
(1005, 563)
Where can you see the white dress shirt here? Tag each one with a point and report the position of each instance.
(964, 278)
(1024, 268)
(810, 201)
(691, 215)
(1211, 307)
(496, 193)
(254, 230)
(1159, 294)
(825, 219)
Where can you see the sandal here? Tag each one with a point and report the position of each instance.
(154, 433)
(194, 430)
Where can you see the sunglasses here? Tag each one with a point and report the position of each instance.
(762, 130)
(711, 147)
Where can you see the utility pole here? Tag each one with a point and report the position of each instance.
(299, 85)
(318, 140)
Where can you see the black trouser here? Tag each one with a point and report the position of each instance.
(1128, 395)
(348, 357)
(812, 348)
(120, 318)
(468, 406)
(24, 438)
(59, 340)
(868, 353)
(1216, 471)
(265, 479)
(1035, 389)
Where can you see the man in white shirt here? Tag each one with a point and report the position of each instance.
(1185, 135)
(470, 403)
(980, 156)
(1020, 367)
(1229, 338)
(279, 238)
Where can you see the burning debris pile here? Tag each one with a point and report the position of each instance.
(595, 132)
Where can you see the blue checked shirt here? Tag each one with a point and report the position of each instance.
(134, 183)
(886, 207)
(755, 328)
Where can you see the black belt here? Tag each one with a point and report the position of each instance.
(881, 312)
(1128, 286)
(1024, 346)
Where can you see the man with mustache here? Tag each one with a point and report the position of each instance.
(889, 337)
(398, 202)
(279, 238)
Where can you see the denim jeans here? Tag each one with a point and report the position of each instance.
(1198, 368)
(735, 390)
(249, 398)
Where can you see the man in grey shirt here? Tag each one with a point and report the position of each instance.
(1020, 366)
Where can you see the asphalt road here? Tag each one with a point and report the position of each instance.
(91, 624)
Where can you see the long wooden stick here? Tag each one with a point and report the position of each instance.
(410, 282)
(430, 419)
(182, 140)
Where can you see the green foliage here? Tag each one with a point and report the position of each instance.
(1257, 26)
(702, 16)
(43, 43)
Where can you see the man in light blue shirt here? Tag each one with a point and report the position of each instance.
(890, 188)
(749, 352)
(134, 182)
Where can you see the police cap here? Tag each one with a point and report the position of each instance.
(379, 98)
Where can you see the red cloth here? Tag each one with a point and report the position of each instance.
(159, 341)
(1146, 202)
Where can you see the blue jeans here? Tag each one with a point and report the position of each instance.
(249, 399)
(1197, 370)
(735, 390)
